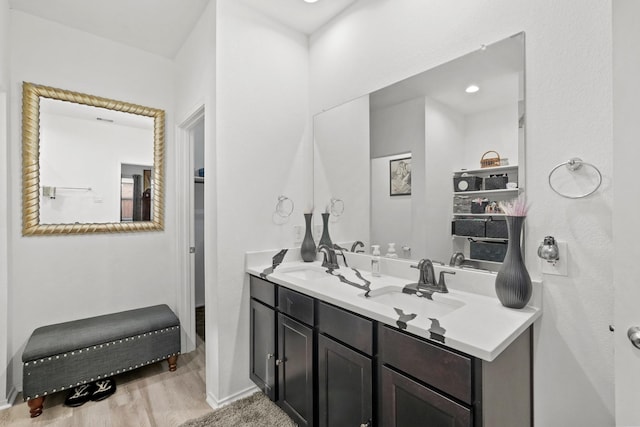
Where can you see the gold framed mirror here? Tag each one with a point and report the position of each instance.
(77, 181)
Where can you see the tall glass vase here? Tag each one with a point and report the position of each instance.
(513, 283)
(308, 247)
(325, 239)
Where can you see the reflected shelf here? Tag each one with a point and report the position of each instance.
(485, 215)
(487, 170)
(500, 191)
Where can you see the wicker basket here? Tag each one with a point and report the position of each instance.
(489, 162)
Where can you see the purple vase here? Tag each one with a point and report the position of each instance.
(513, 283)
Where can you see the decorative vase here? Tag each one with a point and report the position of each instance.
(325, 239)
(513, 283)
(308, 247)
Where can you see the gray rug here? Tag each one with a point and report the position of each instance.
(253, 411)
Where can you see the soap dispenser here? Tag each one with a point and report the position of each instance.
(375, 260)
(391, 251)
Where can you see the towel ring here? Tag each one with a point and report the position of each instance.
(284, 207)
(337, 207)
(575, 164)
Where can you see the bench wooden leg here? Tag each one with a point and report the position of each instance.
(35, 406)
(173, 363)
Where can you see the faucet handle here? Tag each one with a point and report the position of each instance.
(441, 283)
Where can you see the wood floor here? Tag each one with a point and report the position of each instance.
(149, 396)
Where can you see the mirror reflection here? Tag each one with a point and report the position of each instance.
(437, 125)
(90, 164)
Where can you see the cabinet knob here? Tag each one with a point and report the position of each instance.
(279, 362)
(367, 424)
(269, 356)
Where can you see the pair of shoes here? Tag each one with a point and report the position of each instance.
(95, 391)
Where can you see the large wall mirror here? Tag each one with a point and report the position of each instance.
(90, 164)
(390, 157)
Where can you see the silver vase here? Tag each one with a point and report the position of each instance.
(513, 283)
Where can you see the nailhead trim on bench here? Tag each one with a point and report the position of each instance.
(118, 371)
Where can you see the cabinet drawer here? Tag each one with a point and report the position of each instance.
(296, 305)
(347, 327)
(443, 369)
(404, 402)
(263, 291)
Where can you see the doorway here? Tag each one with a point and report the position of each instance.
(197, 136)
(190, 186)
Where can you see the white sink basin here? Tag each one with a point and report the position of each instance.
(393, 296)
(305, 273)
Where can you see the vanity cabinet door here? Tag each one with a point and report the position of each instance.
(344, 385)
(263, 348)
(295, 370)
(404, 402)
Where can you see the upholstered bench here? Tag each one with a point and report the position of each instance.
(65, 355)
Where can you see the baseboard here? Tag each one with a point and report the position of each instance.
(11, 397)
(215, 403)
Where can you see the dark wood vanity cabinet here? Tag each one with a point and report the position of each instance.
(295, 370)
(263, 336)
(282, 345)
(332, 367)
(345, 368)
(421, 380)
(263, 347)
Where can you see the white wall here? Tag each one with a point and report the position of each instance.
(4, 264)
(342, 137)
(263, 151)
(390, 216)
(444, 135)
(395, 129)
(60, 278)
(4, 45)
(80, 153)
(195, 81)
(626, 66)
(495, 129)
(568, 90)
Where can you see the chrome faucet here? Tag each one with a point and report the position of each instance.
(457, 259)
(356, 244)
(427, 279)
(330, 259)
(339, 250)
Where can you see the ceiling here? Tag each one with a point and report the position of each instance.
(497, 69)
(303, 17)
(162, 26)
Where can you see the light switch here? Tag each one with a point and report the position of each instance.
(560, 266)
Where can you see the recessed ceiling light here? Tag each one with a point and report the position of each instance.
(310, 1)
(472, 89)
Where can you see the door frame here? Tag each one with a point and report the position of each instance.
(184, 226)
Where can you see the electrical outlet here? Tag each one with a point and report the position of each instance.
(298, 233)
(559, 268)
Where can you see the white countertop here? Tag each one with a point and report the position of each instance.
(479, 325)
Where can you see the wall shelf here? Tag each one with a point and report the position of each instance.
(487, 192)
(479, 215)
(462, 198)
(483, 239)
(496, 169)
